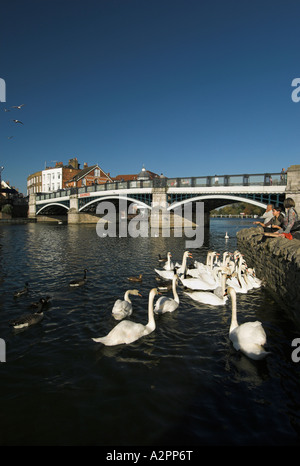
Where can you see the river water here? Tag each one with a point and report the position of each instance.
(183, 384)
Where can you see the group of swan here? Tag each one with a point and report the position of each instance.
(249, 337)
(128, 331)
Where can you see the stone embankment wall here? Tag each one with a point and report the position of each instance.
(277, 262)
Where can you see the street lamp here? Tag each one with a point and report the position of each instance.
(1, 170)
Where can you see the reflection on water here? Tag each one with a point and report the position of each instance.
(183, 384)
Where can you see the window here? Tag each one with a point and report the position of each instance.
(97, 172)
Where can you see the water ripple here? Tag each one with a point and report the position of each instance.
(182, 384)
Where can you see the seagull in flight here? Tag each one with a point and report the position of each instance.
(9, 137)
(18, 121)
(18, 106)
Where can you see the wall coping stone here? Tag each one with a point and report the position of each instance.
(277, 262)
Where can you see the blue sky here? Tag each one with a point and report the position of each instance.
(184, 87)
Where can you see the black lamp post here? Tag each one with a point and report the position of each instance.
(1, 170)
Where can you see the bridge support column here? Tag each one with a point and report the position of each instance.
(293, 185)
(159, 204)
(32, 206)
(73, 214)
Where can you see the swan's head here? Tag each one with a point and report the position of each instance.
(135, 292)
(154, 292)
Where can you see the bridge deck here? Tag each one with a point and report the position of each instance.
(272, 183)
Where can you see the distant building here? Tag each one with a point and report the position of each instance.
(143, 175)
(34, 183)
(6, 191)
(54, 178)
(88, 176)
(64, 176)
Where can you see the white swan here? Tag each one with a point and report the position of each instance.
(239, 283)
(165, 304)
(208, 276)
(249, 337)
(200, 283)
(256, 282)
(128, 331)
(215, 298)
(123, 308)
(168, 274)
(169, 265)
(207, 267)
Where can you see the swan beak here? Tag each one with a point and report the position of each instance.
(139, 294)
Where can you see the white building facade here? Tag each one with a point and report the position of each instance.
(51, 179)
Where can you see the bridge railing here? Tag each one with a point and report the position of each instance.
(264, 179)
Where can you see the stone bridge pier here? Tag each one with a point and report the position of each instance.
(293, 185)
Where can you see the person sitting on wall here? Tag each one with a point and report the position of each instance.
(267, 216)
(291, 225)
(276, 222)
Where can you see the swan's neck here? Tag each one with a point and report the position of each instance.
(126, 297)
(175, 295)
(223, 281)
(240, 269)
(151, 321)
(234, 322)
(212, 256)
(225, 254)
(184, 261)
(208, 258)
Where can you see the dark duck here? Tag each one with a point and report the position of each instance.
(31, 319)
(22, 292)
(79, 282)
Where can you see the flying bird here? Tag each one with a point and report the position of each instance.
(18, 121)
(9, 137)
(18, 106)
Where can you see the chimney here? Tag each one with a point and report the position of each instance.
(85, 165)
(74, 163)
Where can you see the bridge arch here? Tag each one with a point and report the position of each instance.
(50, 205)
(218, 196)
(106, 198)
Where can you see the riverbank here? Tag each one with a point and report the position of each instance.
(277, 262)
(17, 220)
